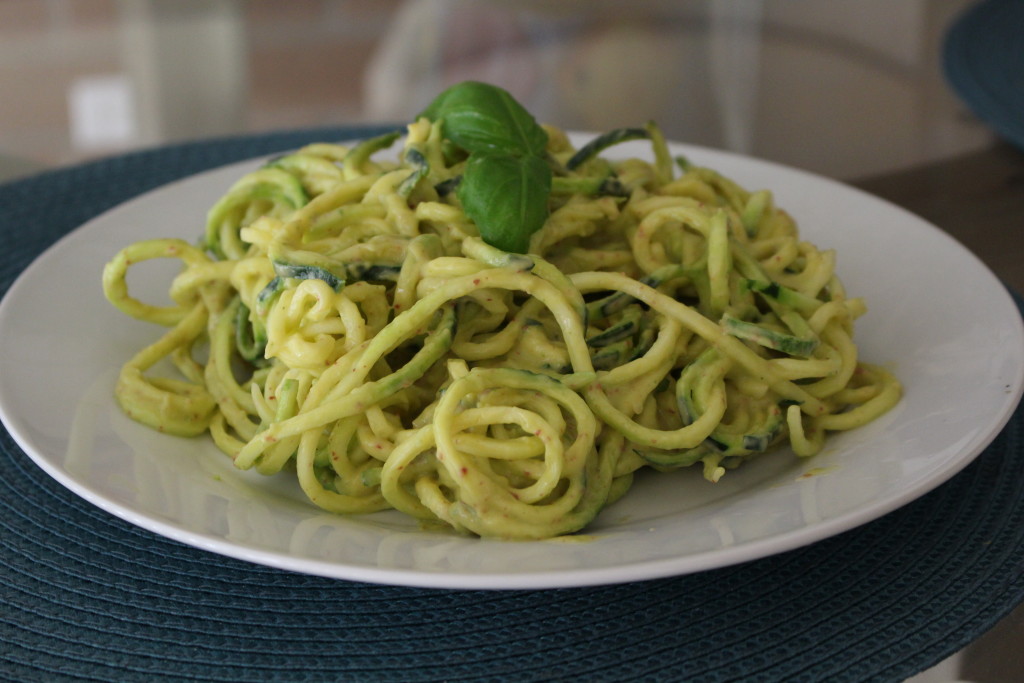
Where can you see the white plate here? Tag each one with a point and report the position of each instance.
(937, 317)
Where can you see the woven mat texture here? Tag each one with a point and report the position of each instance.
(983, 59)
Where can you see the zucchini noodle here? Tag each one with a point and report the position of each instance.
(342, 318)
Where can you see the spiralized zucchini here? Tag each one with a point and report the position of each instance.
(343, 319)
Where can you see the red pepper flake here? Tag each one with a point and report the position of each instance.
(476, 281)
(464, 471)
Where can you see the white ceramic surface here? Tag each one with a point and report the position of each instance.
(937, 317)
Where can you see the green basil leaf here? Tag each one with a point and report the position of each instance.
(506, 196)
(480, 117)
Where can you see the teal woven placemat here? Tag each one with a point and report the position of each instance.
(983, 59)
(86, 596)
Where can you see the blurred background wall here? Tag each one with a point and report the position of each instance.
(846, 89)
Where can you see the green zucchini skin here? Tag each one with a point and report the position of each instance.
(359, 271)
(597, 186)
(250, 327)
(446, 187)
(772, 339)
(782, 295)
(437, 342)
(293, 271)
(250, 336)
(266, 297)
(353, 271)
(626, 327)
(421, 168)
(603, 142)
(608, 306)
(690, 394)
